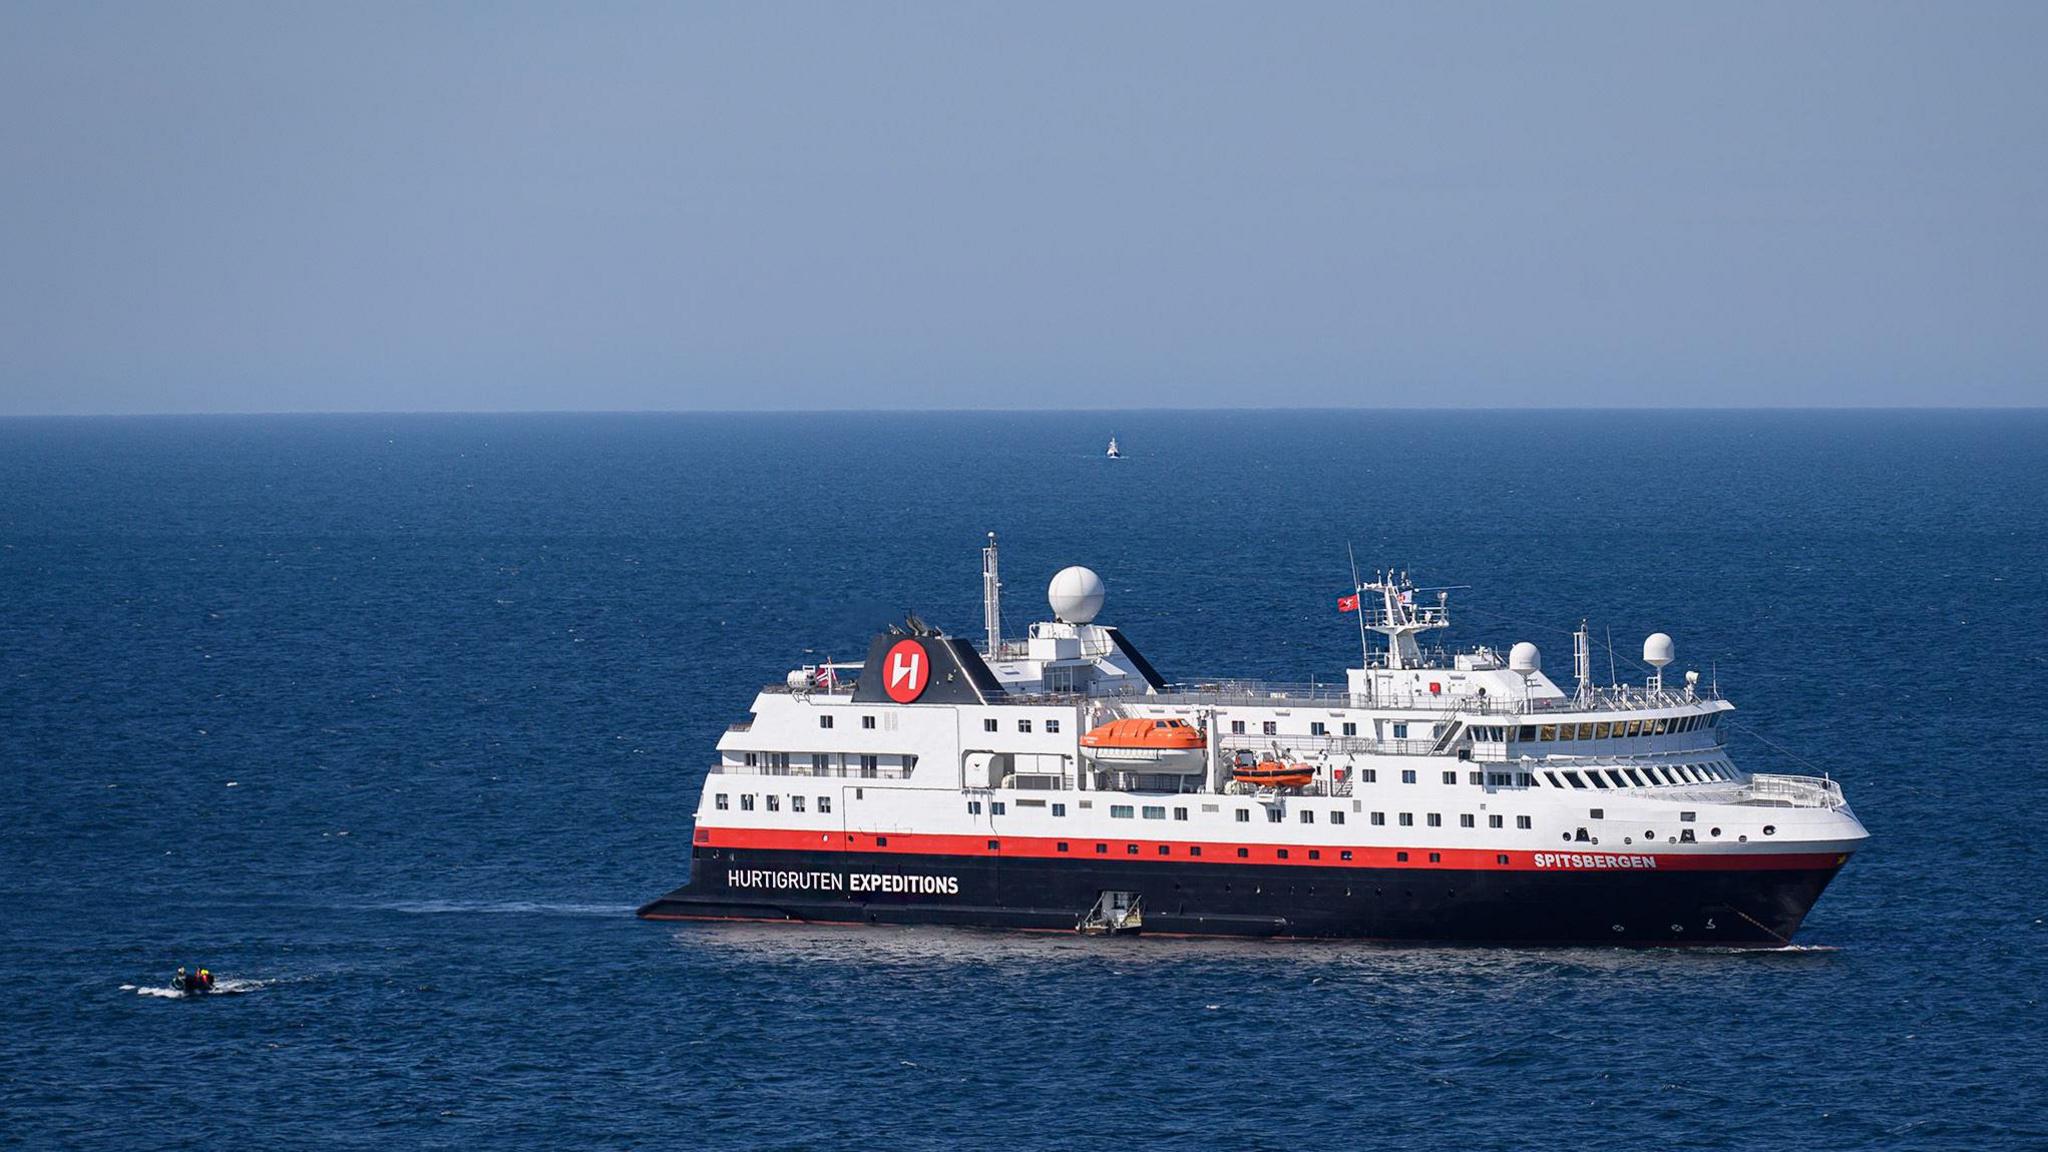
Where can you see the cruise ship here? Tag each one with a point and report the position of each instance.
(1061, 782)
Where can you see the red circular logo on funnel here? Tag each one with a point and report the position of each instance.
(905, 671)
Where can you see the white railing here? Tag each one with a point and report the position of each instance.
(1798, 791)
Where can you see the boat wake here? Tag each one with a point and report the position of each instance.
(222, 987)
(513, 907)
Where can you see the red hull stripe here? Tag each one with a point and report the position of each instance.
(1566, 858)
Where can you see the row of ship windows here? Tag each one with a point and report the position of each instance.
(774, 803)
(1641, 775)
(1524, 733)
(1634, 776)
(1244, 815)
(990, 724)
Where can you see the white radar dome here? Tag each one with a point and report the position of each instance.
(1524, 659)
(1076, 595)
(1657, 650)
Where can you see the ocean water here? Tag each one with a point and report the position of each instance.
(392, 721)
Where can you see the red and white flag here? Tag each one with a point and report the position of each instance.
(1348, 603)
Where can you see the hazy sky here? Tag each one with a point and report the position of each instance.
(354, 206)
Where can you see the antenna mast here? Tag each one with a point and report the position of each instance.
(1582, 662)
(1364, 653)
(991, 597)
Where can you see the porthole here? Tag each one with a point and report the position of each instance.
(1770, 829)
(1649, 834)
(1713, 831)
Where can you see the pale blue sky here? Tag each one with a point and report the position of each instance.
(288, 207)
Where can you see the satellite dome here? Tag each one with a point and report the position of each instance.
(1076, 595)
(1524, 659)
(1657, 650)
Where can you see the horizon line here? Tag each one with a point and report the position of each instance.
(940, 410)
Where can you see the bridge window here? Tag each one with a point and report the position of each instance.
(1573, 779)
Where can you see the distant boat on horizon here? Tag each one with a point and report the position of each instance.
(1114, 454)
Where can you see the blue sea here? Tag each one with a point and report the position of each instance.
(392, 720)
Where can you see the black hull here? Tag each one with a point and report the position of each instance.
(1736, 907)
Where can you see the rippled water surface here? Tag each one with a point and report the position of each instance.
(392, 720)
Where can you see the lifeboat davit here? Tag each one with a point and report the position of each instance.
(1158, 745)
(1274, 774)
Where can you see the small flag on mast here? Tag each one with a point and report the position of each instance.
(1348, 603)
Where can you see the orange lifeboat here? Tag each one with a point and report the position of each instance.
(1146, 735)
(1272, 773)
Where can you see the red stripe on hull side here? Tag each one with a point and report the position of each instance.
(1569, 858)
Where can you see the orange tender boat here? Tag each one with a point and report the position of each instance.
(1146, 735)
(1274, 774)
